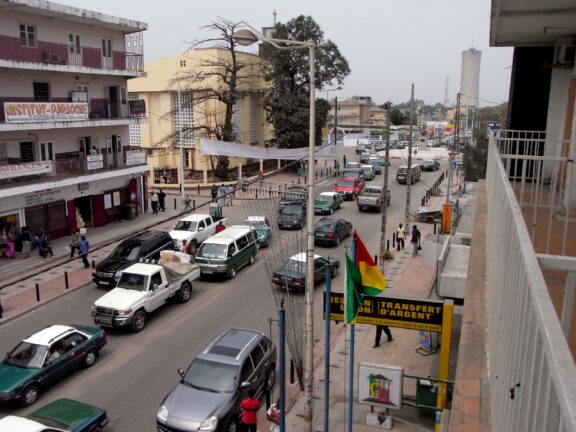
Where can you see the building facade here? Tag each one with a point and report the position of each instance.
(177, 94)
(65, 159)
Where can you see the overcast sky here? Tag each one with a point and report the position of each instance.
(389, 44)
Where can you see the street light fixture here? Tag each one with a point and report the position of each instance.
(247, 37)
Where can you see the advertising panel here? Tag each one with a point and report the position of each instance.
(25, 169)
(446, 217)
(34, 112)
(380, 385)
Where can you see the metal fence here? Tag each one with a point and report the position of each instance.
(532, 372)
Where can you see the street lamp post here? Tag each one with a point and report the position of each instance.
(247, 37)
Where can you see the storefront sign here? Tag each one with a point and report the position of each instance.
(25, 169)
(407, 313)
(95, 161)
(135, 157)
(42, 197)
(380, 385)
(32, 112)
(446, 217)
(83, 186)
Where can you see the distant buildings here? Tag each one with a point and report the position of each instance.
(65, 158)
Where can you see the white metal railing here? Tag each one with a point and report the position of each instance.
(532, 375)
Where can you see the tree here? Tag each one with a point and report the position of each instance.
(218, 82)
(475, 158)
(396, 117)
(287, 72)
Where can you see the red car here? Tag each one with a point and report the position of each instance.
(349, 187)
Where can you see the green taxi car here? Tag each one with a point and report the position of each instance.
(262, 227)
(327, 202)
(46, 357)
(61, 415)
(293, 273)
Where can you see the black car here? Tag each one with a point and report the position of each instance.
(331, 230)
(292, 216)
(209, 393)
(292, 275)
(430, 165)
(144, 246)
(294, 195)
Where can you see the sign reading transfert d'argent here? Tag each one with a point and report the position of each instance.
(407, 313)
(33, 112)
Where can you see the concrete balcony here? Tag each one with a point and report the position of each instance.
(64, 58)
(16, 175)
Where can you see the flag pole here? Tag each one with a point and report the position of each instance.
(351, 362)
(327, 349)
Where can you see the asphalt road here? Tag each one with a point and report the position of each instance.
(135, 371)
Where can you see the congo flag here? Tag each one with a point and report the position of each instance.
(373, 282)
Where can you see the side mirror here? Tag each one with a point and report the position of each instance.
(154, 287)
(173, 226)
(245, 384)
(181, 372)
(201, 229)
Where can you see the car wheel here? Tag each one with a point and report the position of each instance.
(232, 272)
(193, 246)
(139, 321)
(334, 272)
(232, 425)
(252, 259)
(270, 379)
(30, 395)
(90, 358)
(185, 292)
(340, 206)
(353, 197)
(331, 211)
(338, 241)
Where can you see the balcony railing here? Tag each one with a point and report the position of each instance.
(532, 375)
(14, 172)
(62, 54)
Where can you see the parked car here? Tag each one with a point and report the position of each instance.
(352, 165)
(141, 289)
(195, 229)
(208, 396)
(331, 230)
(228, 251)
(293, 274)
(383, 160)
(143, 246)
(402, 174)
(375, 162)
(294, 195)
(349, 187)
(364, 157)
(360, 148)
(373, 197)
(430, 165)
(62, 415)
(292, 216)
(262, 227)
(327, 202)
(45, 357)
(368, 171)
(354, 172)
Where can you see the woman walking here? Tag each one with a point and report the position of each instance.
(26, 242)
(75, 243)
(415, 240)
(10, 249)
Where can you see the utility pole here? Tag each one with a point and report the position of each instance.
(456, 147)
(336, 122)
(387, 106)
(409, 176)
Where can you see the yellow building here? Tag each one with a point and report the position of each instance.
(192, 75)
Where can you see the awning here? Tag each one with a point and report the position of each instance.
(221, 148)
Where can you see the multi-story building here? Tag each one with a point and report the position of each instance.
(64, 117)
(179, 95)
(353, 111)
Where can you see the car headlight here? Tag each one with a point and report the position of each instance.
(162, 414)
(125, 313)
(209, 424)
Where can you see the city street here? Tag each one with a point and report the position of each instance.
(135, 371)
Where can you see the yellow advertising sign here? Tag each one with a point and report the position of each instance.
(446, 218)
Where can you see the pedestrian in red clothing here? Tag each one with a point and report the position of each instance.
(249, 407)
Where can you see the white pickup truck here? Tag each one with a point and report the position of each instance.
(195, 229)
(372, 197)
(141, 289)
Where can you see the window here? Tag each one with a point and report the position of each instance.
(72, 341)
(26, 152)
(107, 48)
(242, 242)
(156, 280)
(247, 370)
(28, 35)
(257, 355)
(182, 63)
(46, 152)
(231, 250)
(208, 221)
(201, 225)
(41, 92)
(3, 153)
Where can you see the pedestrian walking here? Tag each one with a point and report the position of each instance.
(250, 407)
(213, 192)
(75, 242)
(223, 192)
(10, 248)
(154, 202)
(84, 249)
(415, 240)
(400, 237)
(379, 329)
(344, 160)
(161, 200)
(26, 242)
(299, 168)
(44, 248)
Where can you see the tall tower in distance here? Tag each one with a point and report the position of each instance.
(470, 77)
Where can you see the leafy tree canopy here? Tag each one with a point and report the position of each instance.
(287, 72)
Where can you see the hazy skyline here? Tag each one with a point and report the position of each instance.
(389, 45)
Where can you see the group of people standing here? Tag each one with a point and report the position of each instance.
(401, 236)
(158, 201)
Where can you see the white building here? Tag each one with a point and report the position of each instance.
(64, 117)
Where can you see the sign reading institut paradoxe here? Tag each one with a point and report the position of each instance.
(32, 112)
(408, 313)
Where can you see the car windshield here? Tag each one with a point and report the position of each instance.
(295, 266)
(258, 225)
(325, 225)
(133, 281)
(324, 198)
(292, 210)
(345, 184)
(185, 226)
(212, 251)
(371, 191)
(211, 376)
(27, 355)
(130, 252)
